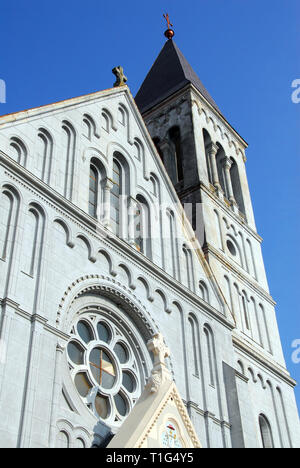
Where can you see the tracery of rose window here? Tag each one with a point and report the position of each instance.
(104, 367)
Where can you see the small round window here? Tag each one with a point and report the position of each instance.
(104, 368)
(231, 248)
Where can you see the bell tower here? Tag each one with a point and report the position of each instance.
(205, 159)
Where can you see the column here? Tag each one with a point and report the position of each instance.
(227, 163)
(212, 150)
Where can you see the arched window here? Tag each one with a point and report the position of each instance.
(119, 195)
(93, 192)
(207, 142)
(221, 172)
(236, 186)
(142, 226)
(265, 432)
(115, 197)
(176, 155)
(96, 188)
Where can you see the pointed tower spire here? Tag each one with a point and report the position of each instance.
(169, 73)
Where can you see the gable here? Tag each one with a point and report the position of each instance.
(58, 143)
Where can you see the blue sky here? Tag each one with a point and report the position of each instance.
(245, 52)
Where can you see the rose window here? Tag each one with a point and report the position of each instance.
(105, 368)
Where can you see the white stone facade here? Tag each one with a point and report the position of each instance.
(59, 264)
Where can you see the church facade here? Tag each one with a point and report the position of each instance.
(121, 218)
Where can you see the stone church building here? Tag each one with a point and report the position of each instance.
(121, 218)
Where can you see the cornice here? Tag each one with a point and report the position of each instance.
(231, 267)
(263, 360)
(18, 117)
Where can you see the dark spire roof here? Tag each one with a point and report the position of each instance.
(169, 73)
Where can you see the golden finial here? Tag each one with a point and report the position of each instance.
(169, 33)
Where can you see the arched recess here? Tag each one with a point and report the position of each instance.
(241, 367)
(203, 289)
(88, 245)
(283, 417)
(109, 260)
(193, 339)
(254, 313)
(62, 440)
(18, 151)
(148, 288)
(33, 240)
(67, 231)
(265, 432)
(9, 216)
(189, 267)
(165, 300)
(107, 120)
(129, 274)
(44, 155)
(253, 270)
(209, 341)
(7, 213)
(157, 193)
(246, 316)
(173, 246)
(139, 153)
(89, 127)
(124, 120)
(271, 392)
(265, 328)
(69, 147)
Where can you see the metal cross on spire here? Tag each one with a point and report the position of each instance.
(169, 33)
